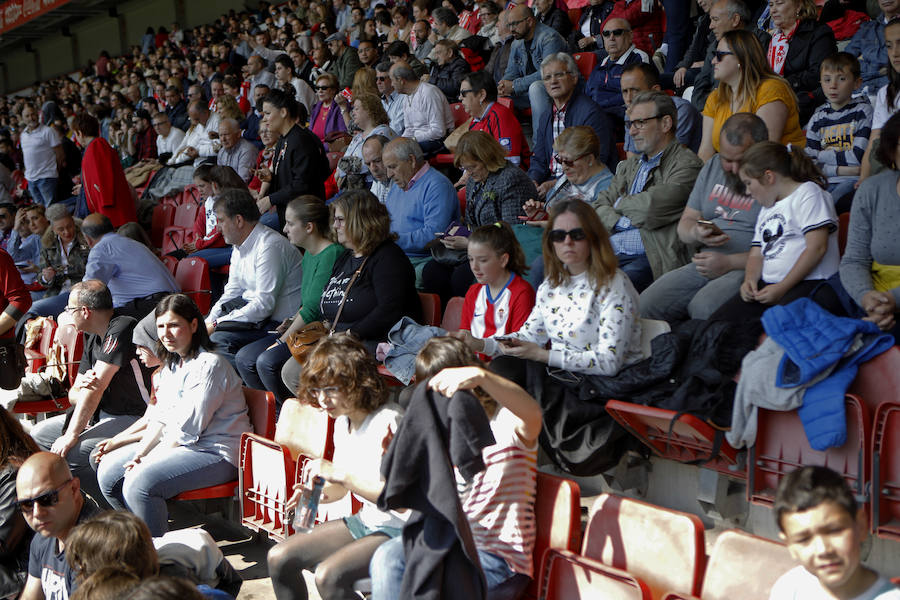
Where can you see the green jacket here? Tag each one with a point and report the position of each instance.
(656, 210)
(51, 256)
(345, 66)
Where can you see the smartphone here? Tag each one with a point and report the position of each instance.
(511, 341)
(715, 228)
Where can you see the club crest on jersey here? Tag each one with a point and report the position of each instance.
(110, 344)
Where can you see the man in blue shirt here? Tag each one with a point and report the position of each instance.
(135, 277)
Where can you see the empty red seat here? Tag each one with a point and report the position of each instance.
(742, 565)
(453, 314)
(431, 309)
(886, 471)
(192, 276)
(568, 576)
(586, 62)
(163, 216)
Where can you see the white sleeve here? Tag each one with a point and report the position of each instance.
(814, 209)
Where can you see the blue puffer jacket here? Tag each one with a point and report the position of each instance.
(814, 341)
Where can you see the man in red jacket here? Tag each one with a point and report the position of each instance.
(102, 177)
(14, 297)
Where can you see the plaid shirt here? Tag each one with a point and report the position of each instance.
(558, 123)
(626, 238)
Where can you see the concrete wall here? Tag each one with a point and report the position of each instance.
(142, 14)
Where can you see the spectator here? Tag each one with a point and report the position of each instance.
(746, 81)
(43, 156)
(64, 255)
(371, 119)
(15, 447)
(401, 28)
(871, 252)
(446, 25)
(887, 100)
(288, 81)
(257, 74)
(7, 222)
(163, 587)
(549, 14)
(603, 85)
(716, 270)
(372, 157)
(102, 178)
(232, 87)
(641, 206)
(136, 278)
(299, 163)
(252, 124)
(479, 98)
(794, 248)
(496, 190)
(587, 34)
(176, 108)
(391, 99)
(689, 65)
(236, 152)
(191, 437)
(399, 52)
(342, 378)
(346, 59)
(427, 114)
(838, 132)
(796, 47)
(570, 108)
(263, 285)
(24, 246)
(421, 200)
(448, 69)
(197, 144)
(45, 476)
(419, 40)
(326, 119)
(499, 59)
(141, 137)
(110, 392)
(367, 51)
(868, 46)
(498, 502)
(168, 138)
(534, 43)
(724, 16)
(307, 227)
(643, 77)
(584, 174)
(647, 22)
(489, 13)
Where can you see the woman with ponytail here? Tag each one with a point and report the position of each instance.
(794, 248)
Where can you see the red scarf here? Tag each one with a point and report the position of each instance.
(778, 48)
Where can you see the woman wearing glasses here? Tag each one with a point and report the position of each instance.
(587, 309)
(748, 84)
(326, 117)
(191, 435)
(342, 378)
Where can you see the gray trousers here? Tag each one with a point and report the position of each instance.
(686, 294)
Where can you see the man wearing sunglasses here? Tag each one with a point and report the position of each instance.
(641, 206)
(603, 85)
(51, 501)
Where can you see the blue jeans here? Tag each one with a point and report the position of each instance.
(389, 562)
(50, 307)
(215, 257)
(539, 100)
(637, 267)
(43, 191)
(261, 369)
(229, 343)
(163, 474)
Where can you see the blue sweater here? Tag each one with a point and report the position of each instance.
(425, 208)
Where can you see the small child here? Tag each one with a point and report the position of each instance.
(794, 248)
(820, 522)
(838, 132)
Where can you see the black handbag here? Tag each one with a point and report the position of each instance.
(12, 363)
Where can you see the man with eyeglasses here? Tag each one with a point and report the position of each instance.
(168, 138)
(642, 205)
(52, 503)
(604, 84)
(391, 99)
(368, 53)
(533, 43)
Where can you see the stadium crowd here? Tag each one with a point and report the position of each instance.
(571, 176)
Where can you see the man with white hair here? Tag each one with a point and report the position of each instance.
(236, 152)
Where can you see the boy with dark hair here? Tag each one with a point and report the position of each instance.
(819, 520)
(838, 132)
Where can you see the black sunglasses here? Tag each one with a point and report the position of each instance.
(46, 500)
(568, 162)
(559, 235)
(721, 54)
(322, 87)
(614, 32)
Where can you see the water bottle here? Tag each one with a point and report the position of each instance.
(308, 506)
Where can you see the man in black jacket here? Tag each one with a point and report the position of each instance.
(448, 69)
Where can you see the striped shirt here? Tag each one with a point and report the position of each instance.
(838, 138)
(499, 501)
(485, 316)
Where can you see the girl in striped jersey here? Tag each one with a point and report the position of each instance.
(499, 501)
(501, 300)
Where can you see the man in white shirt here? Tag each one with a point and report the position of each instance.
(168, 138)
(427, 114)
(391, 99)
(42, 154)
(263, 286)
(197, 144)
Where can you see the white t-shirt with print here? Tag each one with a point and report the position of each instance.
(780, 233)
(800, 584)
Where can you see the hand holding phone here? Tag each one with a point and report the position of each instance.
(715, 229)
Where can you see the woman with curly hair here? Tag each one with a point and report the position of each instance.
(342, 378)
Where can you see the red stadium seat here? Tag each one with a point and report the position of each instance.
(163, 217)
(431, 309)
(878, 379)
(453, 314)
(333, 158)
(574, 16)
(72, 342)
(171, 263)
(192, 276)
(567, 576)
(261, 407)
(586, 62)
(886, 471)
(460, 115)
(173, 239)
(843, 227)
(461, 195)
(664, 548)
(185, 215)
(742, 565)
(37, 356)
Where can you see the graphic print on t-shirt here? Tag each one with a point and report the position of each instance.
(772, 235)
(729, 205)
(54, 585)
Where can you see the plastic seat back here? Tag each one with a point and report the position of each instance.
(662, 547)
(37, 356)
(171, 263)
(568, 576)
(163, 216)
(650, 329)
(744, 566)
(886, 472)
(185, 215)
(843, 228)
(460, 115)
(72, 342)
(431, 309)
(453, 314)
(261, 409)
(192, 276)
(586, 61)
(878, 379)
(305, 430)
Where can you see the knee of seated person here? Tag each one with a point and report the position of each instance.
(330, 578)
(536, 88)
(277, 558)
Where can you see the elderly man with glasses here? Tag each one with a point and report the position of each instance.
(604, 84)
(168, 137)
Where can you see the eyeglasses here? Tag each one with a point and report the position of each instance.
(639, 124)
(615, 32)
(464, 93)
(721, 54)
(568, 162)
(512, 24)
(71, 309)
(322, 87)
(331, 392)
(558, 75)
(558, 236)
(382, 78)
(46, 500)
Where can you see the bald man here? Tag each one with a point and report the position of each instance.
(236, 152)
(51, 501)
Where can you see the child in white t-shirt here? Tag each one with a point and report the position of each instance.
(794, 248)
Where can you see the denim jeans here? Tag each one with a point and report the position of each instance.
(229, 343)
(164, 473)
(43, 191)
(539, 101)
(215, 257)
(389, 563)
(50, 307)
(637, 267)
(261, 369)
